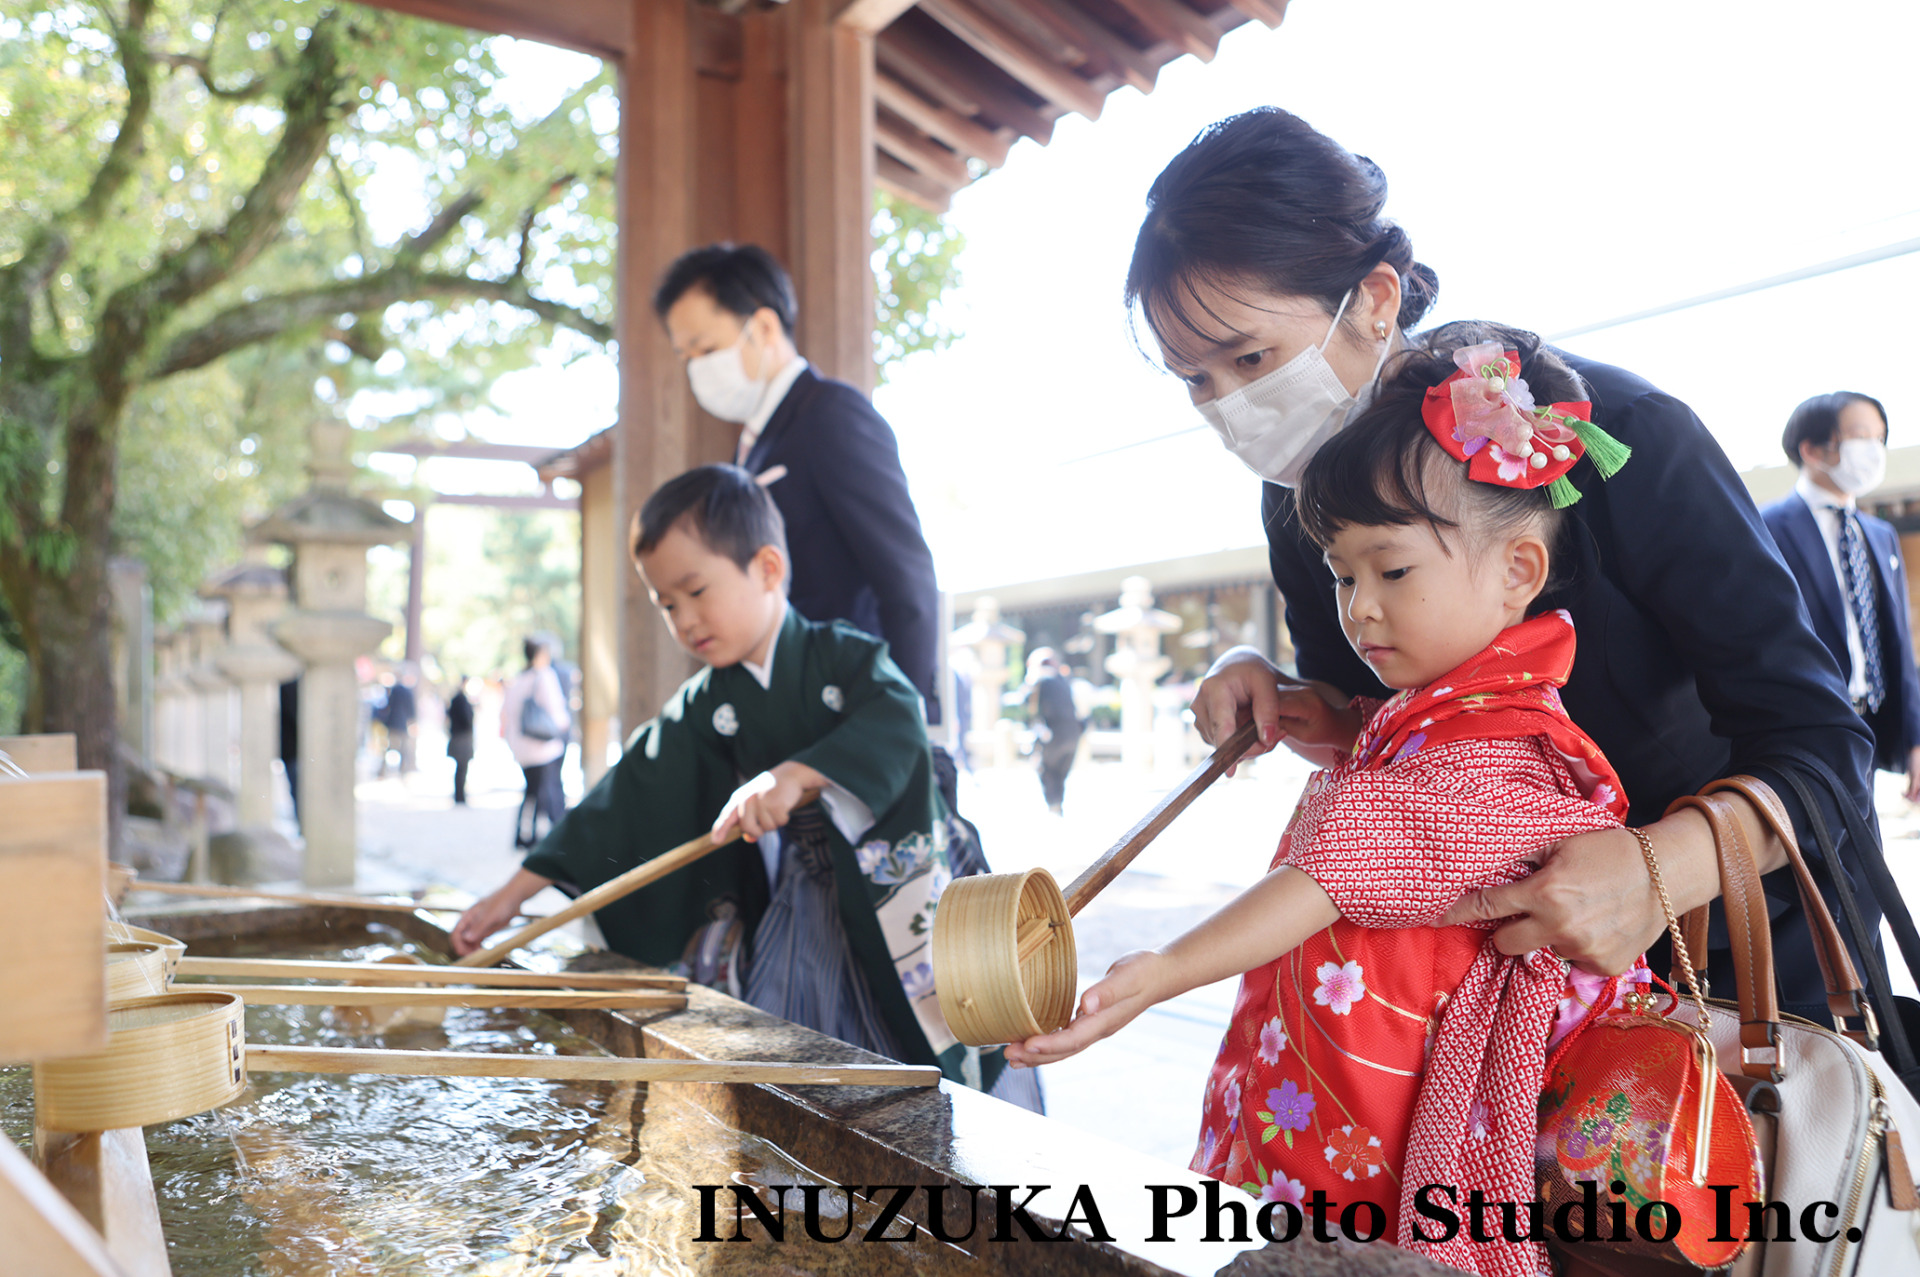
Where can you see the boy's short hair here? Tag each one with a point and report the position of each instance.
(1817, 421)
(730, 514)
(741, 278)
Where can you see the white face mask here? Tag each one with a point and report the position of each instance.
(1862, 465)
(1276, 424)
(721, 385)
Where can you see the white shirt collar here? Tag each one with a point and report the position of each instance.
(763, 674)
(1818, 497)
(777, 387)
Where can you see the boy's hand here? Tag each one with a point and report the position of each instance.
(1131, 986)
(483, 918)
(765, 802)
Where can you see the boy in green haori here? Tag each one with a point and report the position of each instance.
(838, 897)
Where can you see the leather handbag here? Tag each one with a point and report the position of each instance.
(535, 722)
(1636, 1114)
(1829, 1115)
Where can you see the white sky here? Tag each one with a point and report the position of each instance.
(1556, 163)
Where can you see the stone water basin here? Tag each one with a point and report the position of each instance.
(312, 1174)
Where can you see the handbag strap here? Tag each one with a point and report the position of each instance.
(1747, 928)
(1867, 845)
(1846, 996)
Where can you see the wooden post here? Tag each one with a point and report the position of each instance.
(655, 199)
(830, 136)
(106, 1177)
(53, 853)
(45, 1234)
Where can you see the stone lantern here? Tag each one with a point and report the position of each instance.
(980, 648)
(330, 532)
(214, 692)
(1137, 627)
(256, 596)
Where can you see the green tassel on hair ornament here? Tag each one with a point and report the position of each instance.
(1562, 493)
(1607, 453)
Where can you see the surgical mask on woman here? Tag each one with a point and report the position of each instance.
(721, 385)
(1276, 423)
(1862, 465)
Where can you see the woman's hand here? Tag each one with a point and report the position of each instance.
(1244, 685)
(765, 802)
(492, 913)
(1131, 985)
(1913, 775)
(1591, 898)
(1318, 723)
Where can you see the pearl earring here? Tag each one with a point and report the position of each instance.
(1380, 329)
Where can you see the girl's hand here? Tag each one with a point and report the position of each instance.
(1318, 723)
(765, 802)
(1244, 685)
(1131, 986)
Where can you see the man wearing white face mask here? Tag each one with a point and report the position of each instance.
(1849, 567)
(829, 460)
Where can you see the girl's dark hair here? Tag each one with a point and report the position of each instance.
(730, 514)
(1262, 199)
(1385, 469)
(1817, 421)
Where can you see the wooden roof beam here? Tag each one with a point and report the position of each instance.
(901, 142)
(1190, 32)
(1269, 12)
(871, 16)
(986, 145)
(895, 178)
(1137, 67)
(1001, 46)
(603, 28)
(913, 57)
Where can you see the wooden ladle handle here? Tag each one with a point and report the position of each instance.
(1104, 870)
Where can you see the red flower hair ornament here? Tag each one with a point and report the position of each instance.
(1485, 416)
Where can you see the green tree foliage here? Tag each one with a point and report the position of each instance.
(916, 258)
(190, 267)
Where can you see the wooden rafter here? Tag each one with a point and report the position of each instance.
(1137, 67)
(1003, 47)
(871, 16)
(915, 149)
(922, 54)
(1189, 31)
(909, 184)
(956, 130)
(1266, 12)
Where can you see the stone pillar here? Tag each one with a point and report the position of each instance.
(1137, 626)
(329, 531)
(215, 694)
(178, 722)
(256, 596)
(980, 652)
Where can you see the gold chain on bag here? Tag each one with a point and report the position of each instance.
(1703, 1052)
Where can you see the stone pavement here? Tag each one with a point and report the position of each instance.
(1142, 1086)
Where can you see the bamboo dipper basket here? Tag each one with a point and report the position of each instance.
(1003, 953)
(166, 1057)
(136, 970)
(121, 933)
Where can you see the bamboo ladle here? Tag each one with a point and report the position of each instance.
(608, 892)
(1003, 952)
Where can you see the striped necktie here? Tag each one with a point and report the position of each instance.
(1858, 571)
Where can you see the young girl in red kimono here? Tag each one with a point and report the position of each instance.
(1372, 1053)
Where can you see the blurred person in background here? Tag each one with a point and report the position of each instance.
(1048, 695)
(534, 722)
(460, 739)
(1851, 573)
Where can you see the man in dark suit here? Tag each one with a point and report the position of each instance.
(1849, 567)
(829, 460)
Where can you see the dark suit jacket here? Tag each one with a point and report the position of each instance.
(1696, 659)
(852, 534)
(1896, 726)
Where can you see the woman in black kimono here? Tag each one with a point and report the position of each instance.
(1276, 290)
